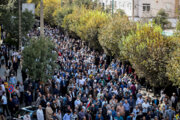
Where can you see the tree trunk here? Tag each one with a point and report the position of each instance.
(20, 25)
(41, 19)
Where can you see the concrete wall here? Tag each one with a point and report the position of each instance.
(155, 6)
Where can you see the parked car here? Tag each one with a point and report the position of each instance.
(31, 110)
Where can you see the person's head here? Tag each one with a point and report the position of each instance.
(59, 111)
(4, 93)
(68, 112)
(155, 118)
(48, 104)
(140, 96)
(121, 104)
(131, 97)
(132, 114)
(144, 118)
(40, 107)
(118, 114)
(92, 105)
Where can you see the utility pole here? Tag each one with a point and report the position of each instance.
(112, 7)
(133, 10)
(20, 25)
(41, 19)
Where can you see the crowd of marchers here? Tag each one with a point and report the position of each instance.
(85, 87)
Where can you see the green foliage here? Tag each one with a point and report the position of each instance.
(120, 12)
(112, 33)
(39, 59)
(148, 51)
(59, 14)
(5, 7)
(10, 22)
(173, 67)
(177, 32)
(161, 18)
(178, 26)
(89, 4)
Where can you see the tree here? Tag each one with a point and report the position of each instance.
(10, 23)
(41, 6)
(71, 21)
(112, 33)
(173, 67)
(39, 59)
(59, 14)
(89, 4)
(148, 51)
(86, 24)
(90, 24)
(161, 18)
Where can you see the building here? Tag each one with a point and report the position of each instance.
(143, 8)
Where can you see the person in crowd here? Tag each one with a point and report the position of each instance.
(49, 111)
(59, 115)
(26, 116)
(4, 104)
(39, 113)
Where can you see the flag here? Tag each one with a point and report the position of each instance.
(88, 104)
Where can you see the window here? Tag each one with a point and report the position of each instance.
(110, 4)
(115, 4)
(146, 7)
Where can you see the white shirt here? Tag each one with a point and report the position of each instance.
(59, 116)
(3, 88)
(77, 102)
(145, 107)
(81, 81)
(139, 101)
(26, 117)
(40, 115)
(4, 99)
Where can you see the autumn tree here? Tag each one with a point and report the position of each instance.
(111, 34)
(173, 67)
(49, 7)
(86, 24)
(148, 51)
(59, 14)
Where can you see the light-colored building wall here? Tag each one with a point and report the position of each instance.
(155, 6)
(150, 9)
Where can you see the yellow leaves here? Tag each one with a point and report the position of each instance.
(149, 50)
(112, 33)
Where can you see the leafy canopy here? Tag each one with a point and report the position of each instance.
(148, 51)
(173, 67)
(161, 18)
(112, 33)
(39, 59)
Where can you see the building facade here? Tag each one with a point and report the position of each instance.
(143, 8)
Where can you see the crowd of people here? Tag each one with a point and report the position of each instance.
(85, 87)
